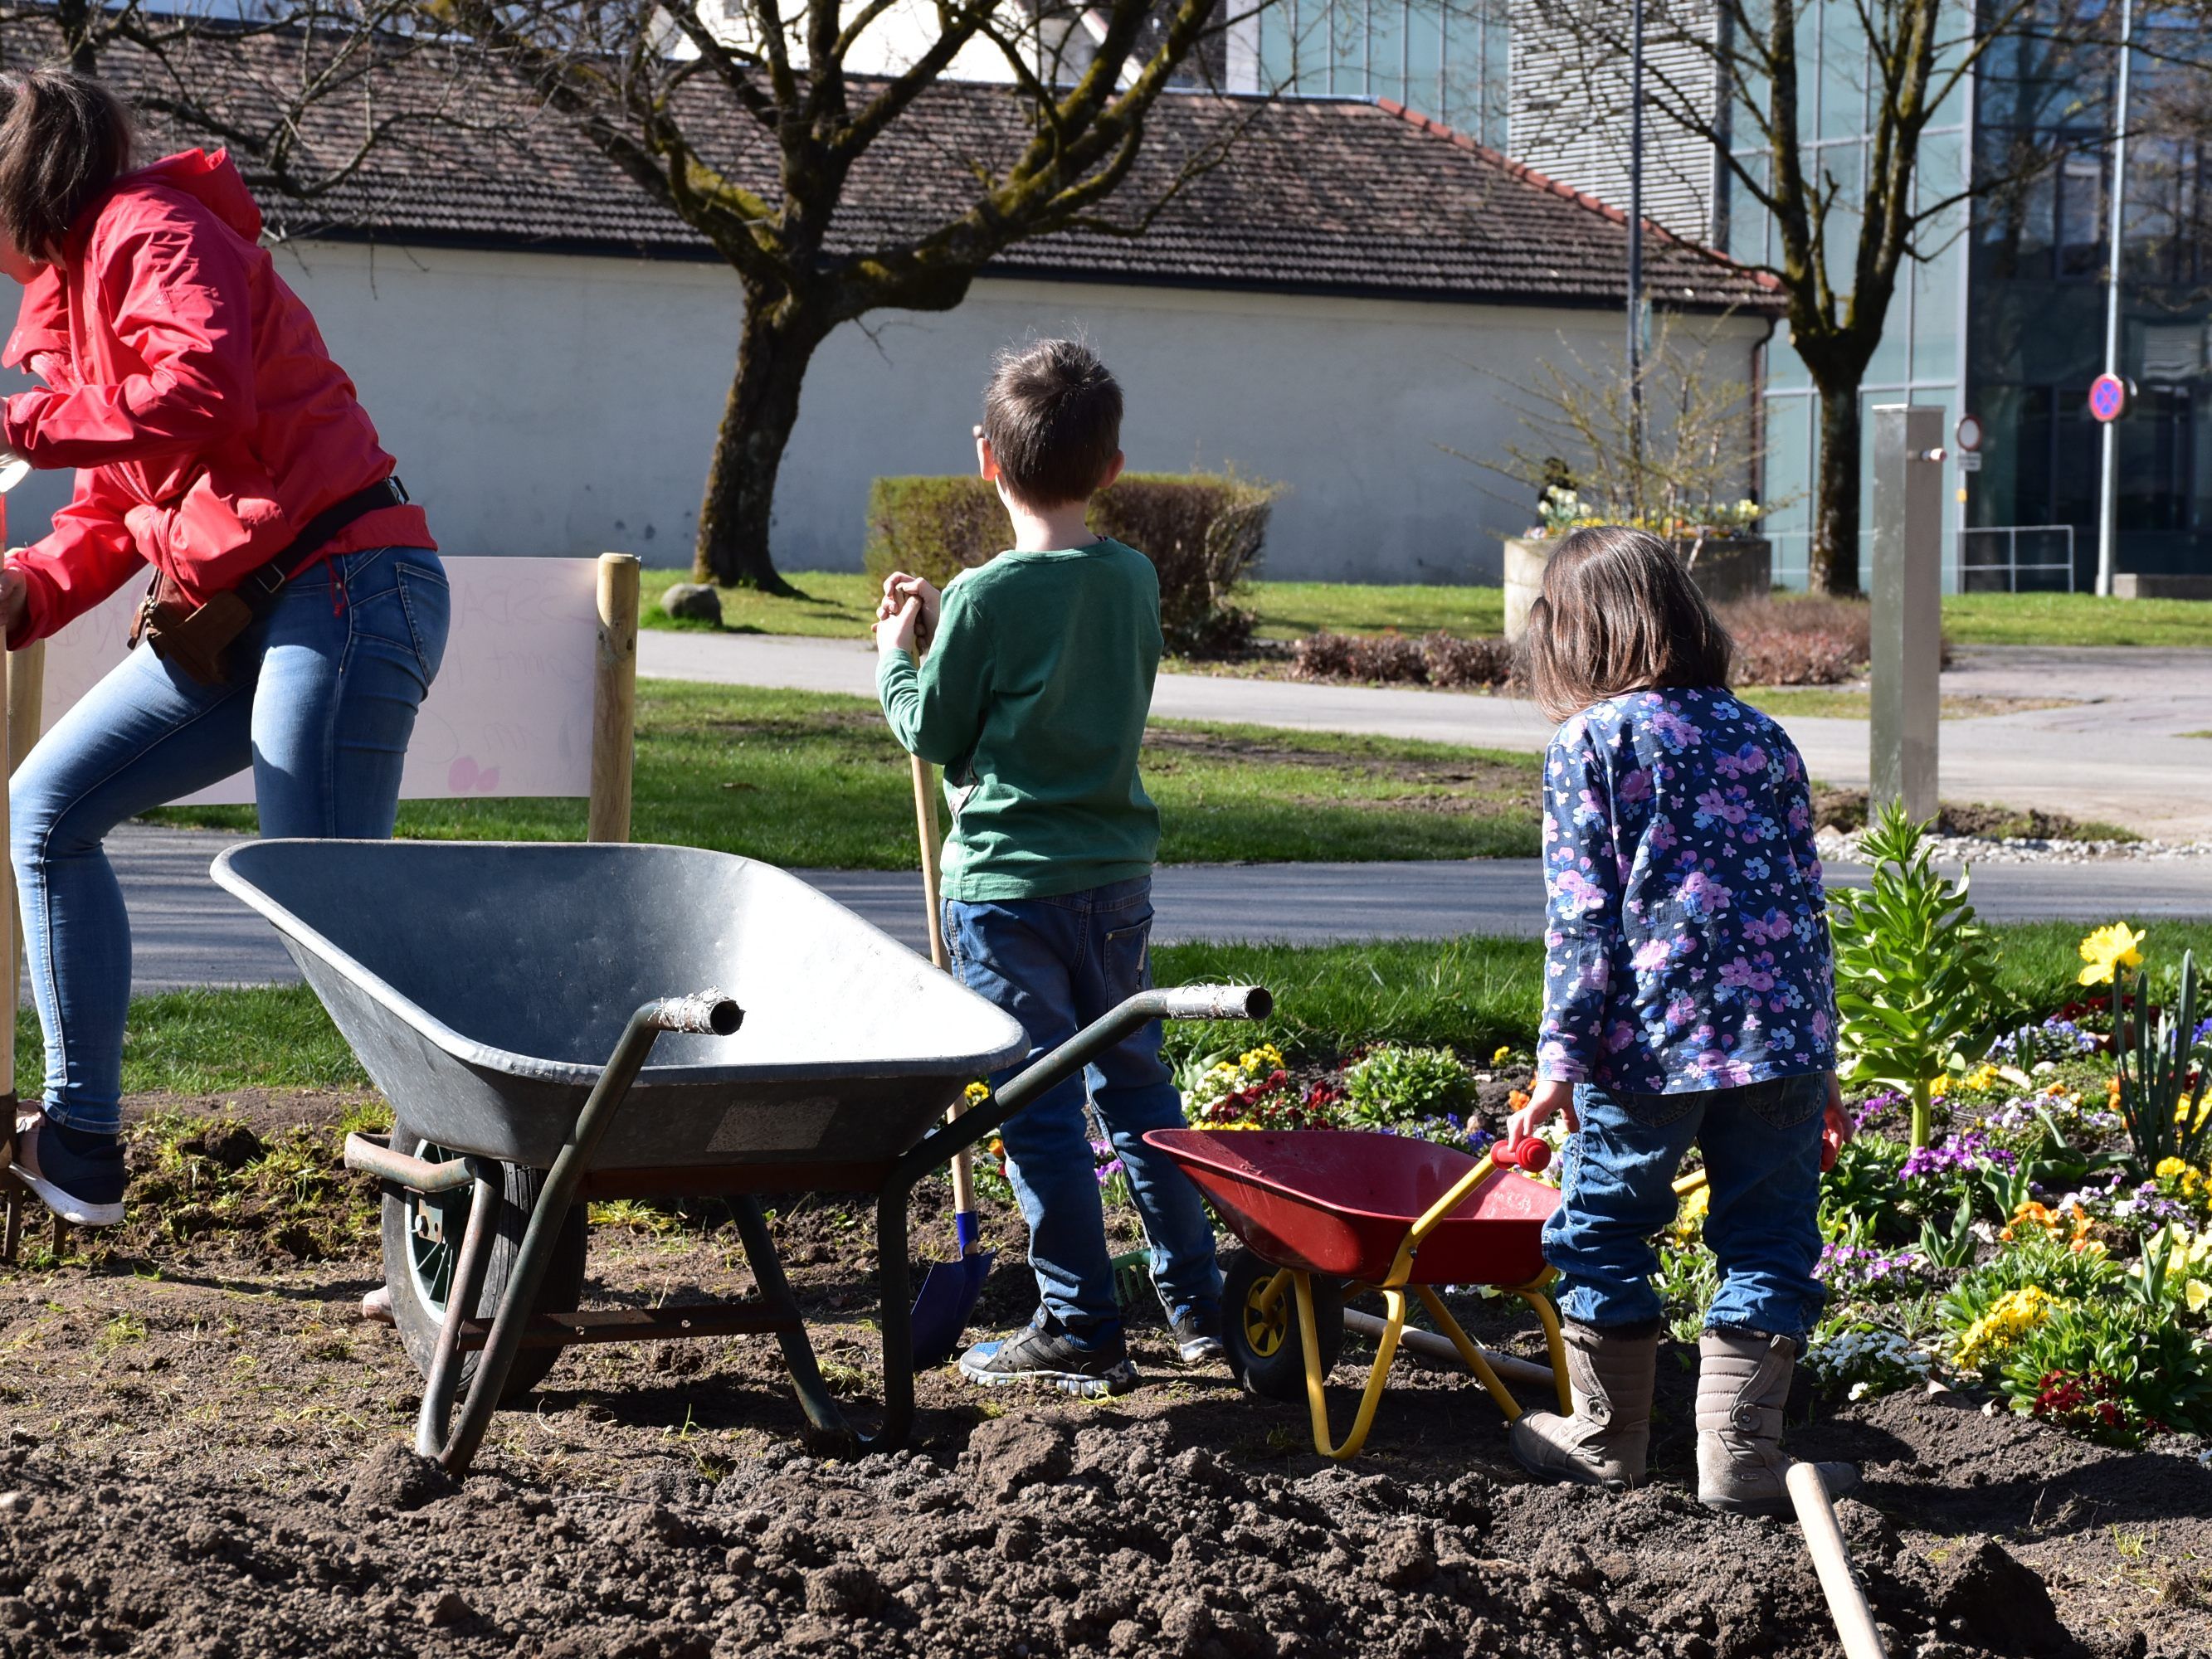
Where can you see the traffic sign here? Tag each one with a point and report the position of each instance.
(2108, 397)
(1970, 460)
(1970, 434)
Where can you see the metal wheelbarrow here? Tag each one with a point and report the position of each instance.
(1325, 1214)
(508, 997)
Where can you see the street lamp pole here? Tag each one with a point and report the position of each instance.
(2108, 505)
(1636, 230)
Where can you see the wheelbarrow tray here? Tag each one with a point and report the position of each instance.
(1340, 1202)
(483, 985)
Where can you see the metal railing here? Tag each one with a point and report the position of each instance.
(2007, 558)
(1991, 562)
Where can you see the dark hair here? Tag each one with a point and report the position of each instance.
(64, 139)
(1053, 415)
(1618, 613)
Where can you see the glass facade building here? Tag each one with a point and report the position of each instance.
(1446, 59)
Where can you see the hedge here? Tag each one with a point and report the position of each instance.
(1203, 532)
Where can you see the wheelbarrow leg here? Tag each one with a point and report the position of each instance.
(1393, 1301)
(461, 1295)
(709, 1011)
(1469, 1354)
(1533, 1294)
(13, 1222)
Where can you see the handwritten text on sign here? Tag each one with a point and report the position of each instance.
(510, 712)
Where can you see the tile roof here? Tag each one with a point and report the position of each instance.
(1338, 195)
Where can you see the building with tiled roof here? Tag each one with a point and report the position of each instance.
(1349, 296)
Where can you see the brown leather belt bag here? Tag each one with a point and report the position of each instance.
(196, 639)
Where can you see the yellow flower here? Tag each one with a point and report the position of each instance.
(2197, 1293)
(2010, 1318)
(1504, 1052)
(2109, 948)
(2169, 1167)
(976, 1093)
(1938, 1088)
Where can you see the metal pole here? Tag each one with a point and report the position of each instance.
(2108, 502)
(1636, 234)
(1907, 641)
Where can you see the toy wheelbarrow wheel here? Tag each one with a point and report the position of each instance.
(422, 1234)
(1265, 1352)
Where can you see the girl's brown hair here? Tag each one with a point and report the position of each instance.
(1618, 613)
(64, 139)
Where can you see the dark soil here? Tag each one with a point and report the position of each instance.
(1846, 809)
(205, 1454)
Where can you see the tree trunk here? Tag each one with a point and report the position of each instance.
(1832, 564)
(776, 345)
(75, 20)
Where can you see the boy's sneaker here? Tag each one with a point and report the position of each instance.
(1197, 1332)
(1049, 1357)
(77, 1176)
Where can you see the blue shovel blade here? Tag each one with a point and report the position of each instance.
(948, 1296)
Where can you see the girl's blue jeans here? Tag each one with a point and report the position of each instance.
(321, 702)
(1055, 965)
(1762, 1150)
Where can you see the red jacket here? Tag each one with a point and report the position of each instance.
(188, 385)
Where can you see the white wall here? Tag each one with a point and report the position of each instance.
(553, 403)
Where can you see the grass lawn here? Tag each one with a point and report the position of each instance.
(1846, 703)
(815, 780)
(842, 604)
(2074, 619)
(1474, 994)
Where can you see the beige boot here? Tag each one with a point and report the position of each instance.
(1605, 1442)
(1743, 1378)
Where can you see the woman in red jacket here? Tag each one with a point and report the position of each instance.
(215, 440)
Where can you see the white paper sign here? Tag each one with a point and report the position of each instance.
(509, 714)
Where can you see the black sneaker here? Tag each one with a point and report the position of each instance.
(1197, 1332)
(1041, 1355)
(77, 1176)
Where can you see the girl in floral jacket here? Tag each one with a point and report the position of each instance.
(1687, 1000)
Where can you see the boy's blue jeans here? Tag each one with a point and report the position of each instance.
(1055, 965)
(1762, 1150)
(321, 702)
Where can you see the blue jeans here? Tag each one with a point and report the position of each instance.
(321, 702)
(1055, 965)
(1762, 1150)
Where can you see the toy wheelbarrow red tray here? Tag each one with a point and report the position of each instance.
(1324, 1214)
(485, 986)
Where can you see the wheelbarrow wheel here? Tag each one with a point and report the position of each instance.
(422, 1241)
(1266, 1353)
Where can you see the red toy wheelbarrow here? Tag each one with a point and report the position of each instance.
(1326, 1214)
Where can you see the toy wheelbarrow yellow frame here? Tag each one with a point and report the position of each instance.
(1329, 1213)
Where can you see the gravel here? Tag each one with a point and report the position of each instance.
(1837, 847)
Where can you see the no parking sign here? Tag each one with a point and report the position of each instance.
(2108, 397)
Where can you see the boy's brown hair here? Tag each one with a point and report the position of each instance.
(1053, 415)
(64, 139)
(1618, 613)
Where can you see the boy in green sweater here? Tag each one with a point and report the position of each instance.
(1033, 696)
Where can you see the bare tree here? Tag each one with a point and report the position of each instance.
(258, 78)
(1738, 75)
(747, 124)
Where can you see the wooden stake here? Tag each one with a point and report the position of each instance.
(614, 700)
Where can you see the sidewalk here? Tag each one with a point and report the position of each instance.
(2118, 756)
(187, 932)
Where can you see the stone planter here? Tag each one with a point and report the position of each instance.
(1740, 568)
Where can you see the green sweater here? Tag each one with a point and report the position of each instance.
(1033, 698)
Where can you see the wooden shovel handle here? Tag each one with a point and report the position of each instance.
(925, 824)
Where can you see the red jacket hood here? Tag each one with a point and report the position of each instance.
(212, 179)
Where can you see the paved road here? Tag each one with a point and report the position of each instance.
(2119, 756)
(187, 932)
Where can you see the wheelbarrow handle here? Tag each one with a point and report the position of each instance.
(705, 1013)
(1181, 1002)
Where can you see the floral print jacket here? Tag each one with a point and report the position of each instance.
(1687, 934)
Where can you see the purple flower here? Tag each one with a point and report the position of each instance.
(1966, 1153)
